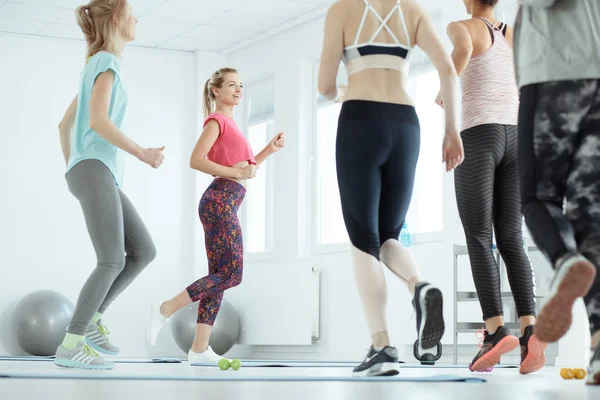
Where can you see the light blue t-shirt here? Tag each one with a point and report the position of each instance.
(86, 144)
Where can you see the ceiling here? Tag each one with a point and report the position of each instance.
(184, 25)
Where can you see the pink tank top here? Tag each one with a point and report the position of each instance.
(231, 146)
(489, 88)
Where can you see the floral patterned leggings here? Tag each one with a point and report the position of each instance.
(224, 247)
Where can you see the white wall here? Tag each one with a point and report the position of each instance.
(42, 233)
(43, 238)
(288, 58)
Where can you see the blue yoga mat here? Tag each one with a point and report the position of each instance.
(26, 358)
(130, 361)
(232, 376)
(286, 364)
(257, 363)
(331, 364)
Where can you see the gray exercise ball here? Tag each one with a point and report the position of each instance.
(40, 320)
(225, 332)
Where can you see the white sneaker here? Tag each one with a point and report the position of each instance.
(208, 356)
(572, 280)
(155, 323)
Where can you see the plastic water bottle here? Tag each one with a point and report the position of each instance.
(405, 235)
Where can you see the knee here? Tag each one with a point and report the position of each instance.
(363, 235)
(148, 254)
(508, 243)
(114, 267)
(367, 242)
(478, 241)
(145, 255)
(527, 205)
(387, 239)
(235, 280)
(368, 247)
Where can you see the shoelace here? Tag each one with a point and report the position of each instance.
(89, 351)
(480, 334)
(103, 330)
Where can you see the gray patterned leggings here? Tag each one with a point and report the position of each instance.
(559, 167)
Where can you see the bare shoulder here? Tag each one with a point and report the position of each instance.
(457, 26)
(412, 8)
(414, 14)
(463, 23)
(339, 8)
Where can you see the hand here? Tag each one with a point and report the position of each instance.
(452, 150)
(277, 143)
(249, 171)
(153, 157)
(438, 100)
(341, 93)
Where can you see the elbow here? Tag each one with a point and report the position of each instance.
(62, 126)
(96, 122)
(195, 162)
(327, 91)
(448, 70)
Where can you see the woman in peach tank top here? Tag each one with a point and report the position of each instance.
(487, 183)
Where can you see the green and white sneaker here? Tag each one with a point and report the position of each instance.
(97, 338)
(82, 356)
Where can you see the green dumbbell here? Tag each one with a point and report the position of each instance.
(236, 364)
(224, 364)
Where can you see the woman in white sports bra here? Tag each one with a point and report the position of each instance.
(377, 148)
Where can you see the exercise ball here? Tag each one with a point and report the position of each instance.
(225, 332)
(41, 319)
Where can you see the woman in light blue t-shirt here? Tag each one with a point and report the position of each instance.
(94, 145)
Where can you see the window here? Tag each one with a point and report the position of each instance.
(425, 213)
(258, 205)
(330, 223)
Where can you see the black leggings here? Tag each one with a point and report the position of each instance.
(559, 158)
(487, 194)
(377, 149)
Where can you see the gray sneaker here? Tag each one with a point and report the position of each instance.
(97, 338)
(82, 356)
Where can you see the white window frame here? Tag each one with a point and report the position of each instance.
(422, 68)
(270, 183)
(316, 178)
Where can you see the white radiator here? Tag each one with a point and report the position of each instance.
(278, 304)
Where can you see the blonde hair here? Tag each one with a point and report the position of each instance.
(100, 22)
(216, 81)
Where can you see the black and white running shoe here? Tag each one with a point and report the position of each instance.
(379, 363)
(428, 305)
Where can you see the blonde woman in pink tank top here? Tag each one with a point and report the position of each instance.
(487, 183)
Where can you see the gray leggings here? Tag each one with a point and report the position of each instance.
(121, 240)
